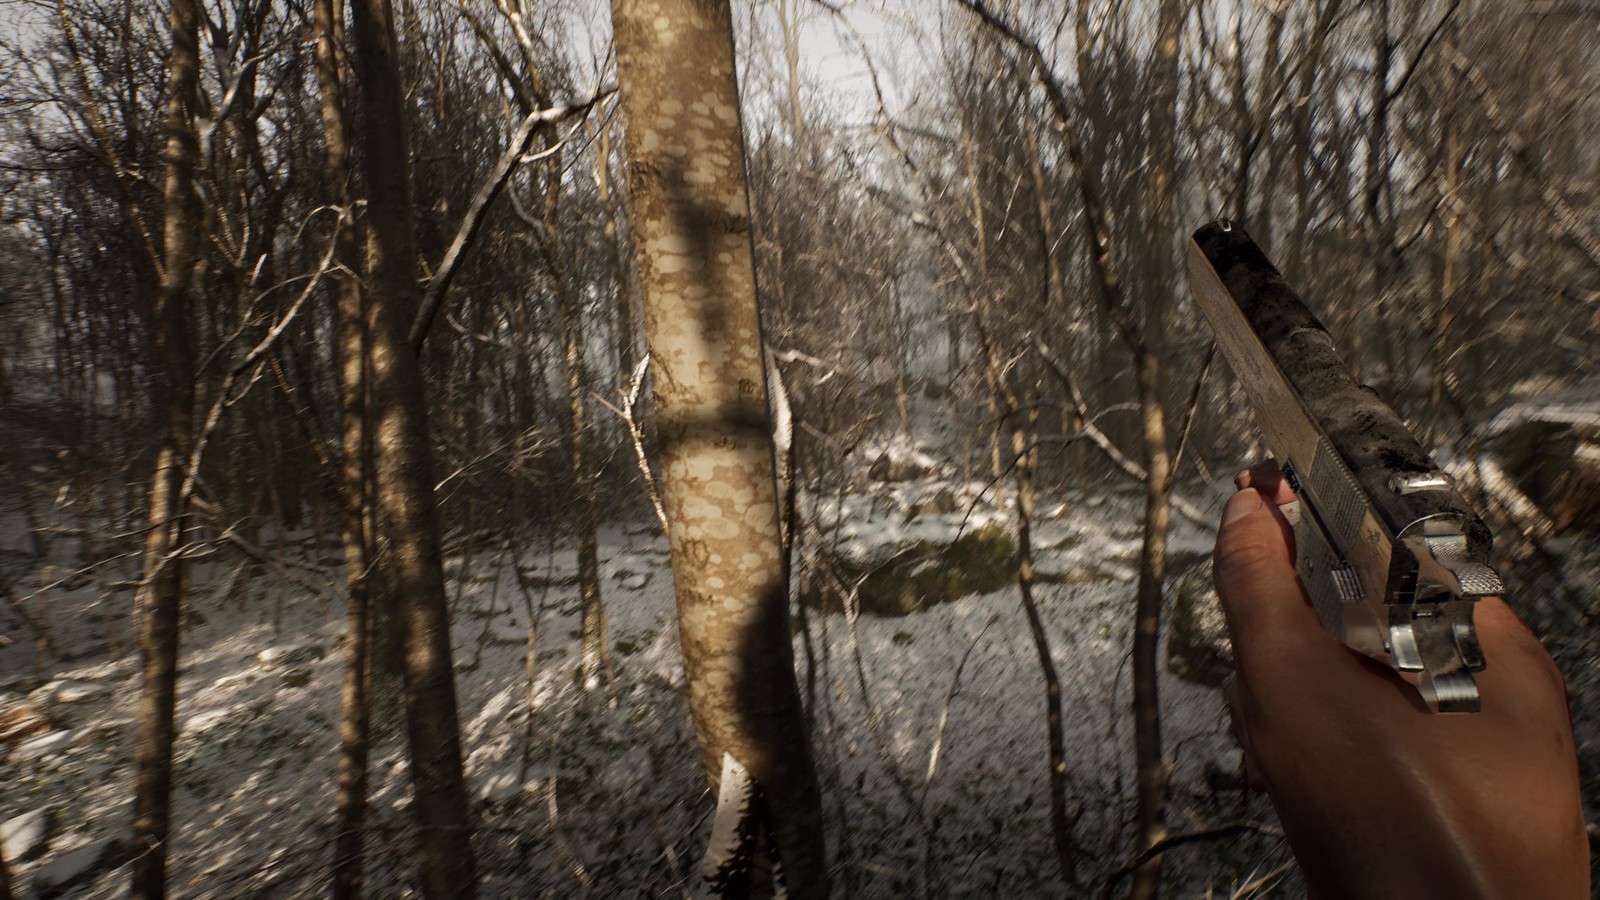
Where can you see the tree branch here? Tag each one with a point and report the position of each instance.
(479, 208)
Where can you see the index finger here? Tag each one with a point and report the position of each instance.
(1266, 477)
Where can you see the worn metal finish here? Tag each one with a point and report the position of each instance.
(1391, 555)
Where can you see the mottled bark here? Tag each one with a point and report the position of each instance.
(161, 591)
(691, 221)
(409, 576)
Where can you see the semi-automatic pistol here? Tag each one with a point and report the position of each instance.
(1393, 558)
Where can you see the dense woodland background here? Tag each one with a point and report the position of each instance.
(968, 250)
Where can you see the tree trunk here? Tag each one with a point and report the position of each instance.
(409, 573)
(624, 337)
(690, 210)
(1061, 821)
(1159, 288)
(1375, 187)
(1152, 773)
(354, 491)
(594, 659)
(161, 591)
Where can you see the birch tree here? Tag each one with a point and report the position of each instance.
(691, 221)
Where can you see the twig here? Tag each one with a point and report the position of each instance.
(1260, 884)
(1092, 432)
(1188, 416)
(635, 382)
(509, 161)
(1177, 840)
(252, 359)
(944, 713)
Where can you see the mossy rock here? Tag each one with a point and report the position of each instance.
(1198, 648)
(925, 574)
(1550, 446)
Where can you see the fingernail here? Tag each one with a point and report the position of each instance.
(1240, 505)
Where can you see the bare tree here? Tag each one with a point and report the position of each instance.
(1139, 279)
(408, 572)
(162, 588)
(354, 481)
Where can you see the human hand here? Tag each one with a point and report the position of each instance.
(1378, 796)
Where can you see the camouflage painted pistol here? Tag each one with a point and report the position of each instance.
(1393, 558)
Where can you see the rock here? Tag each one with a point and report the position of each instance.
(25, 836)
(17, 690)
(1225, 771)
(896, 580)
(68, 691)
(18, 723)
(204, 721)
(942, 502)
(227, 682)
(289, 655)
(633, 581)
(75, 867)
(501, 786)
(43, 746)
(1198, 648)
(297, 677)
(897, 460)
(1550, 445)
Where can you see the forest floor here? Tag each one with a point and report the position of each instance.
(930, 729)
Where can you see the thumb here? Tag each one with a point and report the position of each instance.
(1254, 571)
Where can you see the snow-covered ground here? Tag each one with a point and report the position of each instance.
(930, 728)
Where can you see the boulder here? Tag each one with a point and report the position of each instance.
(898, 461)
(1225, 771)
(941, 501)
(631, 579)
(1550, 446)
(23, 721)
(43, 746)
(898, 580)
